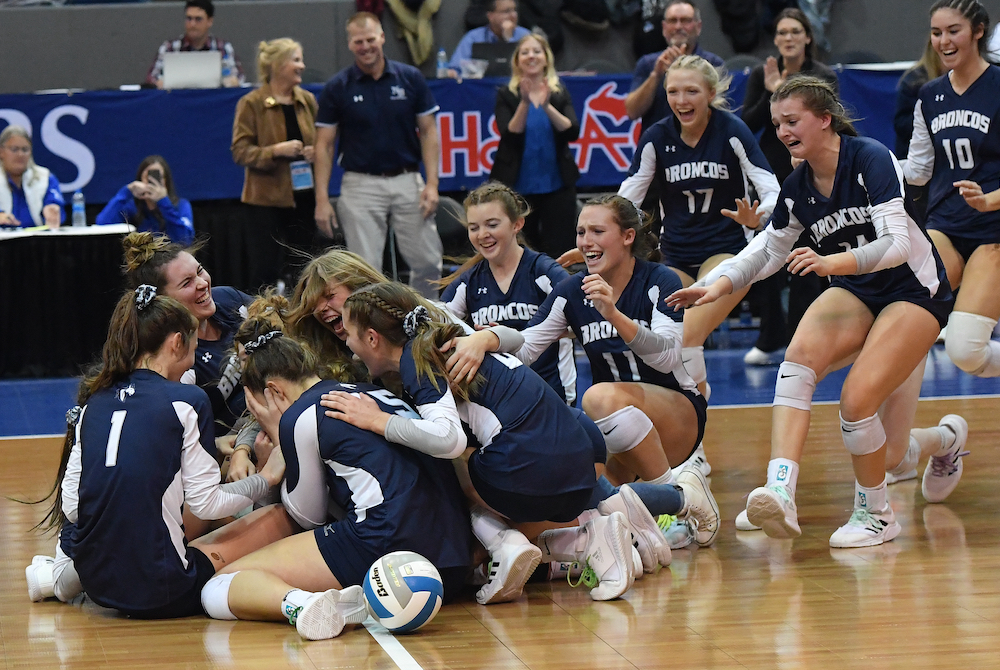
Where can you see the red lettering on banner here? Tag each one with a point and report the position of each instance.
(595, 135)
(467, 144)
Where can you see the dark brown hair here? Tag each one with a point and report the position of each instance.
(977, 16)
(797, 14)
(628, 216)
(146, 256)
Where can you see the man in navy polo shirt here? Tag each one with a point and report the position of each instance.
(376, 107)
(681, 30)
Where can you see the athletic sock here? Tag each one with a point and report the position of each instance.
(783, 471)
(666, 478)
(293, 602)
(873, 499)
(488, 527)
(948, 438)
(659, 498)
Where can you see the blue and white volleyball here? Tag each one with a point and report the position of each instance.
(404, 591)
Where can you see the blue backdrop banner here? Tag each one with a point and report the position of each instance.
(94, 141)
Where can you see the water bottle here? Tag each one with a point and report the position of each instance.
(227, 70)
(79, 210)
(442, 64)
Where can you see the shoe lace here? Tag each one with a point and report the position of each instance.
(588, 577)
(860, 517)
(293, 615)
(664, 521)
(781, 491)
(945, 466)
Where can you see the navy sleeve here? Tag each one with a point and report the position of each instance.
(420, 388)
(329, 112)
(551, 269)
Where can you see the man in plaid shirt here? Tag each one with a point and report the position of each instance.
(198, 18)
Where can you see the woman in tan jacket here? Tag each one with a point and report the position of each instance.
(273, 138)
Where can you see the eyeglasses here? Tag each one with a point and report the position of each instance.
(18, 150)
(674, 21)
(794, 32)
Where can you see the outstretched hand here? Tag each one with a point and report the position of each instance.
(746, 214)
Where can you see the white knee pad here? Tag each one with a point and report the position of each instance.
(624, 429)
(693, 360)
(215, 597)
(862, 437)
(795, 386)
(968, 344)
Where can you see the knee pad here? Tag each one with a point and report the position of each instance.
(693, 360)
(215, 597)
(968, 343)
(795, 386)
(624, 429)
(862, 437)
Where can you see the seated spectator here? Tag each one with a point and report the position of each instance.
(681, 29)
(29, 193)
(151, 204)
(502, 18)
(198, 19)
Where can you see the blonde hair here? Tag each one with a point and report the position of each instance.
(550, 64)
(272, 54)
(713, 79)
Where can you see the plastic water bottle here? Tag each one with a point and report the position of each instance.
(227, 71)
(442, 64)
(79, 210)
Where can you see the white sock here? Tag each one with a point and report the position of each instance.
(871, 499)
(587, 515)
(783, 471)
(293, 601)
(215, 597)
(947, 440)
(562, 544)
(488, 527)
(666, 478)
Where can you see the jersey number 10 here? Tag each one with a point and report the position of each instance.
(963, 148)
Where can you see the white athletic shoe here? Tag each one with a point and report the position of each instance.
(608, 557)
(510, 567)
(743, 523)
(697, 460)
(700, 508)
(677, 532)
(637, 572)
(773, 509)
(895, 476)
(757, 357)
(944, 472)
(866, 529)
(325, 614)
(646, 535)
(41, 581)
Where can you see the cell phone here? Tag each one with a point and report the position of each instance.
(155, 175)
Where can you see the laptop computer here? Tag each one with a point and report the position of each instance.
(192, 69)
(497, 54)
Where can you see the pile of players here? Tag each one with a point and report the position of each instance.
(391, 424)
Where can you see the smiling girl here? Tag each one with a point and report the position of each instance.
(956, 149)
(504, 282)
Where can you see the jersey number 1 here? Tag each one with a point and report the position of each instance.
(117, 421)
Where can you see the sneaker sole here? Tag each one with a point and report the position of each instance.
(890, 534)
(743, 523)
(618, 541)
(891, 478)
(321, 619)
(642, 527)
(764, 511)
(512, 584)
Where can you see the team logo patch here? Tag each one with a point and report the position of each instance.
(206, 357)
(359, 98)
(126, 392)
(397, 93)
(782, 473)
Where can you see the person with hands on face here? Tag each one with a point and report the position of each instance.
(888, 299)
(681, 30)
(535, 116)
(29, 193)
(955, 150)
(383, 113)
(274, 139)
(393, 499)
(150, 203)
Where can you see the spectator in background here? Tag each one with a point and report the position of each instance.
(501, 26)
(150, 203)
(535, 116)
(383, 112)
(681, 30)
(793, 35)
(274, 138)
(29, 193)
(198, 19)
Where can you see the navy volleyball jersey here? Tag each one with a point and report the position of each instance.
(476, 298)
(957, 137)
(216, 369)
(867, 175)
(610, 358)
(395, 499)
(143, 443)
(697, 183)
(531, 442)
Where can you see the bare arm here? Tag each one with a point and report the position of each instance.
(430, 150)
(326, 218)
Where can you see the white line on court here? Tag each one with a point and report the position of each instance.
(835, 402)
(391, 645)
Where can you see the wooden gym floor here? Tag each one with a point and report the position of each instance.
(929, 599)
